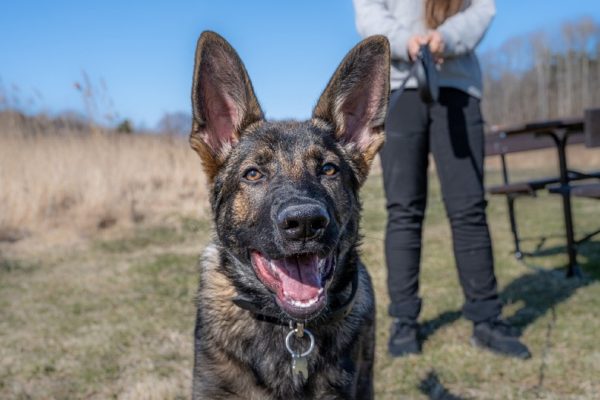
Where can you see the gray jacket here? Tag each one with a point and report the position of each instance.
(400, 19)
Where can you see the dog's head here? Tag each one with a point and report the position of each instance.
(285, 194)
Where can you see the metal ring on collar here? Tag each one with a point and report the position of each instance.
(310, 347)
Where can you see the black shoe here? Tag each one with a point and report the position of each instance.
(404, 338)
(500, 337)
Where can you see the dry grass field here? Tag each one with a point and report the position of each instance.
(99, 237)
(63, 186)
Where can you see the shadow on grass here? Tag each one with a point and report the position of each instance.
(539, 291)
(540, 242)
(544, 289)
(428, 328)
(585, 242)
(431, 387)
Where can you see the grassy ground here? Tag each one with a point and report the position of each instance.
(114, 317)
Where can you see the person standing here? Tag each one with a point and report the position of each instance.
(452, 130)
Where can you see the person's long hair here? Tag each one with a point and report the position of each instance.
(437, 11)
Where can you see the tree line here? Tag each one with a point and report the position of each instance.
(543, 75)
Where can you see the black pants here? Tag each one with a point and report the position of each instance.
(452, 130)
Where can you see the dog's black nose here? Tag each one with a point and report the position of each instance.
(300, 222)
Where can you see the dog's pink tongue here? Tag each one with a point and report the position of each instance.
(300, 277)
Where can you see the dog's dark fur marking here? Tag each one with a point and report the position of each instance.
(236, 355)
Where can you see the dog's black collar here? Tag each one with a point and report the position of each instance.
(337, 313)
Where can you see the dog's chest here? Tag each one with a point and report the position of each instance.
(260, 367)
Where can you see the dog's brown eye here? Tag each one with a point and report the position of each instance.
(253, 174)
(329, 169)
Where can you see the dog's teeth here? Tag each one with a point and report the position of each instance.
(304, 303)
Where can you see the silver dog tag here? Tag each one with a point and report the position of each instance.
(300, 366)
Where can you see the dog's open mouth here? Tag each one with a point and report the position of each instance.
(299, 282)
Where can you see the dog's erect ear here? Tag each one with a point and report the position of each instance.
(355, 100)
(223, 101)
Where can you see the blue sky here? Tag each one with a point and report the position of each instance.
(143, 50)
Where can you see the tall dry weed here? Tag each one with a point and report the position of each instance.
(88, 181)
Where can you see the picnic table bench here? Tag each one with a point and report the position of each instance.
(558, 134)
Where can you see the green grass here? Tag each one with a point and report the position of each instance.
(559, 316)
(115, 319)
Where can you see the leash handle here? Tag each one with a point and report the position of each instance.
(423, 69)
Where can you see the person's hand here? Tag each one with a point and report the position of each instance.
(413, 45)
(436, 45)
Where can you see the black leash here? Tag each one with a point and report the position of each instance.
(424, 70)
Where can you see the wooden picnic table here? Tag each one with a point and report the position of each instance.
(560, 133)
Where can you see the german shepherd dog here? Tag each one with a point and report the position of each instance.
(285, 306)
